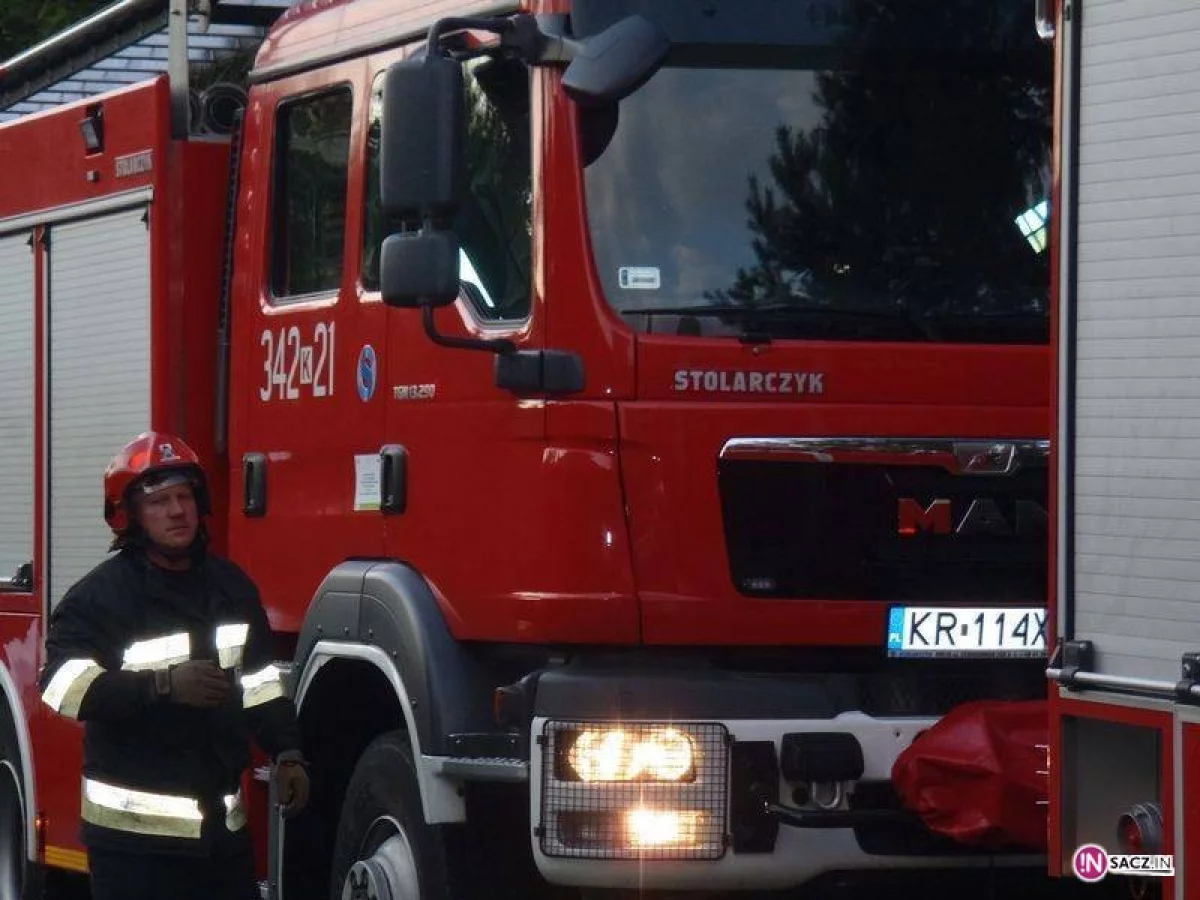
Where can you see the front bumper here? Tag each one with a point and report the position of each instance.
(781, 857)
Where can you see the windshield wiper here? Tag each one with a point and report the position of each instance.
(782, 311)
(770, 309)
(685, 310)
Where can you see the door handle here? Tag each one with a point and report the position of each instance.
(394, 487)
(254, 485)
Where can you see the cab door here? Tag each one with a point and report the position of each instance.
(473, 452)
(309, 342)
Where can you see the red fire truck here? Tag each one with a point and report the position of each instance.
(1125, 730)
(634, 414)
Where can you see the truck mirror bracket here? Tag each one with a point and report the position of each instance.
(495, 345)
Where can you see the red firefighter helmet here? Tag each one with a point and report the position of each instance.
(152, 455)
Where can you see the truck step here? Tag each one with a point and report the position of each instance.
(480, 768)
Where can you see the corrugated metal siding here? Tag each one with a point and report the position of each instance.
(100, 376)
(1137, 414)
(16, 402)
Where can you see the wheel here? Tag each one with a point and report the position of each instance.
(384, 849)
(12, 834)
(19, 878)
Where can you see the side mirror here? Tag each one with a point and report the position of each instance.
(422, 174)
(419, 269)
(421, 163)
(611, 65)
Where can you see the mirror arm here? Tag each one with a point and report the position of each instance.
(541, 40)
(536, 40)
(500, 26)
(498, 345)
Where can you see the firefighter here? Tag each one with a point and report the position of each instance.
(163, 652)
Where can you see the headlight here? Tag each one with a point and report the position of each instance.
(617, 754)
(635, 790)
(662, 827)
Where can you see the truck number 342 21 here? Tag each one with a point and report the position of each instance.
(290, 365)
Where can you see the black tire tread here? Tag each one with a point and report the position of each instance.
(10, 750)
(385, 783)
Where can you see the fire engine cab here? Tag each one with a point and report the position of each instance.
(633, 413)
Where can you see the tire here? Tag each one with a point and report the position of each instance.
(19, 878)
(382, 837)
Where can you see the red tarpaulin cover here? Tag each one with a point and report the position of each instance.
(977, 775)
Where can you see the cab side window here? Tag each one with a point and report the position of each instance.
(311, 166)
(493, 225)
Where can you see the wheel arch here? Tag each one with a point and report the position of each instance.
(340, 661)
(379, 619)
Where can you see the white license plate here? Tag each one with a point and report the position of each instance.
(957, 631)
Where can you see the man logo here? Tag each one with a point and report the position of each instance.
(167, 451)
(1090, 863)
(983, 516)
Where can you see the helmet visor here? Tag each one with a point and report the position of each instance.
(154, 482)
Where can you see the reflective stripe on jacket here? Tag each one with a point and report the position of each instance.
(72, 679)
(158, 775)
(142, 812)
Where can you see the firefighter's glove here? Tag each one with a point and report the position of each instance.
(291, 787)
(199, 683)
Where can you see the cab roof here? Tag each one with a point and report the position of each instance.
(317, 32)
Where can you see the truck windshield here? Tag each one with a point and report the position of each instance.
(829, 170)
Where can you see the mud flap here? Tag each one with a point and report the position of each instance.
(979, 775)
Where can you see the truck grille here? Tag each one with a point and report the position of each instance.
(910, 527)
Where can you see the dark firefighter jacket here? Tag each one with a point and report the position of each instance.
(159, 776)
